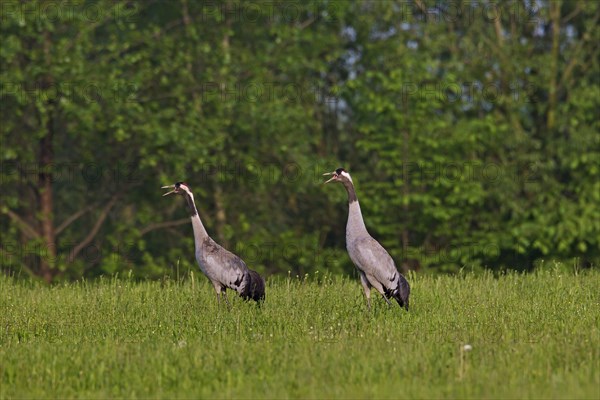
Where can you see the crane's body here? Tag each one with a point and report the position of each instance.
(376, 267)
(224, 269)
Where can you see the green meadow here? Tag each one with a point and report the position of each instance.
(466, 336)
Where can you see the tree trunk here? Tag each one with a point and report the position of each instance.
(555, 18)
(221, 216)
(405, 185)
(46, 157)
(45, 165)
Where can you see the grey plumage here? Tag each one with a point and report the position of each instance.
(224, 269)
(376, 267)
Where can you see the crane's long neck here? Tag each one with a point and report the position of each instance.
(356, 224)
(199, 231)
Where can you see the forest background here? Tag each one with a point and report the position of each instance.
(470, 128)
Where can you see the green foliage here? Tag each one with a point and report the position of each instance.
(532, 336)
(469, 172)
(473, 136)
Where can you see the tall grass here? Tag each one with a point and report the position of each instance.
(533, 335)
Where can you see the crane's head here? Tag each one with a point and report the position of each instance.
(178, 188)
(339, 175)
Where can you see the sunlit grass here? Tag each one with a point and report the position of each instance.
(533, 335)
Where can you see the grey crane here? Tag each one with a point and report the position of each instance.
(224, 269)
(376, 267)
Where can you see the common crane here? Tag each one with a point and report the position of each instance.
(376, 267)
(224, 269)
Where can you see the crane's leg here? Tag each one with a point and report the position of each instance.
(226, 300)
(379, 288)
(221, 293)
(367, 287)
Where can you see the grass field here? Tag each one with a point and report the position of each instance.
(532, 336)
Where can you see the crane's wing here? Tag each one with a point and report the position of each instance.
(224, 266)
(370, 257)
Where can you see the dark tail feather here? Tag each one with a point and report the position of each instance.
(256, 287)
(402, 293)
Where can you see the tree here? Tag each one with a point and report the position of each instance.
(470, 129)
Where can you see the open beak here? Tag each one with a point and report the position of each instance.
(332, 178)
(168, 187)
